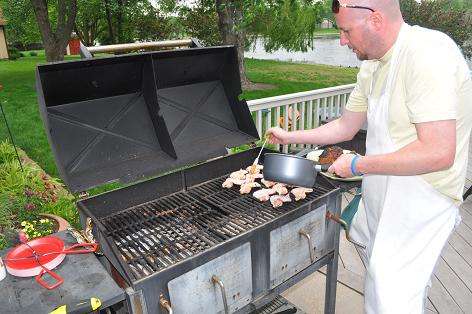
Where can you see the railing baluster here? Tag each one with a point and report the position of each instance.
(294, 122)
(325, 110)
(277, 121)
(331, 108)
(317, 113)
(285, 148)
(336, 103)
(302, 118)
(309, 114)
(268, 121)
(259, 122)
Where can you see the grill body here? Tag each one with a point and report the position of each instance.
(169, 235)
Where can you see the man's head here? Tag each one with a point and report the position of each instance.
(368, 27)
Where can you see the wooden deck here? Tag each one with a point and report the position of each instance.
(451, 290)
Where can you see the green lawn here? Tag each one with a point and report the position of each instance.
(326, 31)
(20, 103)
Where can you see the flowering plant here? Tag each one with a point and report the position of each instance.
(37, 228)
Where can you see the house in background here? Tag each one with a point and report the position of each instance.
(3, 39)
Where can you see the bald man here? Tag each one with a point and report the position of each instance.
(415, 91)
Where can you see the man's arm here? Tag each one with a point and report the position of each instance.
(339, 130)
(434, 150)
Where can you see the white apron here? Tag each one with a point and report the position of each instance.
(406, 221)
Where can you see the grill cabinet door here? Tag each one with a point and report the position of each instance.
(290, 246)
(194, 291)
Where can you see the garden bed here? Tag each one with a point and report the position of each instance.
(26, 192)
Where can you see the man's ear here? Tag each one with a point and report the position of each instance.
(377, 19)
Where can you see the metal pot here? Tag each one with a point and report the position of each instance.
(291, 169)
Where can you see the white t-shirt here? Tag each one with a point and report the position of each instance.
(433, 83)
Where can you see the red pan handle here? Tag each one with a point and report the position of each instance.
(40, 280)
(75, 249)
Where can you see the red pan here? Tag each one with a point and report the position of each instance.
(40, 256)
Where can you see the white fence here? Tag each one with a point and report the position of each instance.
(299, 111)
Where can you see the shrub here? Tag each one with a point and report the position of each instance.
(22, 54)
(33, 53)
(453, 17)
(14, 53)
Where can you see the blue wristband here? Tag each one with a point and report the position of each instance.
(353, 166)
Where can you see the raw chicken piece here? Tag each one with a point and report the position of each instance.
(278, 200)
(232, 181)
(252, 177)
(247, 187)
(300, 193)
(253, 169)
(280, 188)
(240, 174)
(263, 195)
(268, 184)
(228, 183)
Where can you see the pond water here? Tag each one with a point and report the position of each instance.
(325, 51)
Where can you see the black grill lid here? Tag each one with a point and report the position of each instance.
(130, 117)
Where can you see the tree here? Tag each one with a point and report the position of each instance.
(131, 20)
(55, 40)
(22, 29)
(281, 23)
(147, 23)
(453, 17)
(201, 21)
(90, 21)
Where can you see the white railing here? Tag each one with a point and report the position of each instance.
(299, 111)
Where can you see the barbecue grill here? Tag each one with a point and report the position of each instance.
(179, 241)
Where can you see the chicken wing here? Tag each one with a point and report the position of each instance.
(247, 187)
(268, 184)
(300, 193)
(252, 177)
(253, 169)
(278, 200)
(280, 188)
(263, 195)
(240, 174)
(229, 182)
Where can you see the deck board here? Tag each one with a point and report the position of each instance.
(463, 248)
(441, 299)
(454, 285)
(458, 265)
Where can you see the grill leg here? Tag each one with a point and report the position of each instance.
(332, 273)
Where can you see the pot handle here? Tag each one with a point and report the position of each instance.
(42, 282)
(319, 168)
(75, 249)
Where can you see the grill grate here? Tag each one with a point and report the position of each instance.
(152, 236)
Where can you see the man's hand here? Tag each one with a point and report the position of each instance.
(277, 136)
(342, 166)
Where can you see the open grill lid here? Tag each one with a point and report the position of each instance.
(130, 117)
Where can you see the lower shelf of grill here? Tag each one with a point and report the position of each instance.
(279, 305)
